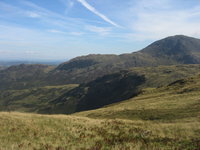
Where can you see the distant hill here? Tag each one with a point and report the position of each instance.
(8, 63)
(2, 67)
(169, 51)
(23, 76)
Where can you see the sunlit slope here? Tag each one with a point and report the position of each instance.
(58, 132)
(178, 101)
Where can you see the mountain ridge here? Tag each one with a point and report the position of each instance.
(173, 50)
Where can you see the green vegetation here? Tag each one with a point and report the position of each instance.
(117, 87)
(24, 76)
(31, 100)
(105, 90)
(179, 100)
(164, 75)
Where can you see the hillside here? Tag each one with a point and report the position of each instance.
(95, 94)
(2, 67)
(24, 76)
(164, 118)
(177, 101)
(31, 100)
(30, 131)
(117, 87)
(169, 51)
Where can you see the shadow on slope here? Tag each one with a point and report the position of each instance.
(178, 100)
(103, 91)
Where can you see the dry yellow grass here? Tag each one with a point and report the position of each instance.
(20, 131)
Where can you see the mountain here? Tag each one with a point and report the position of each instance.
(176, 49)
(172, 50)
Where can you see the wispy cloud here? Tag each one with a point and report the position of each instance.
(100, 30)
(33, 14)
(93, 10)
(68, 4)
(158, 19)
(66, 33)
(56, 31)
(77, 33)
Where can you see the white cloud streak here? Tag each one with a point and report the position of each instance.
(33, 14)
(100, 30)
(93, 10)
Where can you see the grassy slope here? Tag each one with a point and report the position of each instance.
(164, 118)
(30, 100)
(179, 100)
(59, 132)
(164, 75)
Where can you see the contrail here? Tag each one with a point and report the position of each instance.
(93, 10)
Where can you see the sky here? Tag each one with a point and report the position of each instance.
(63, 29)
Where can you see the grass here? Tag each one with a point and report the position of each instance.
(167, 118)
(20, 131)
(177, 101)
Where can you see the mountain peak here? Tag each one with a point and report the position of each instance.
(174, 46)
(180, 37)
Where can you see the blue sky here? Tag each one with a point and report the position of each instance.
(63, 29)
